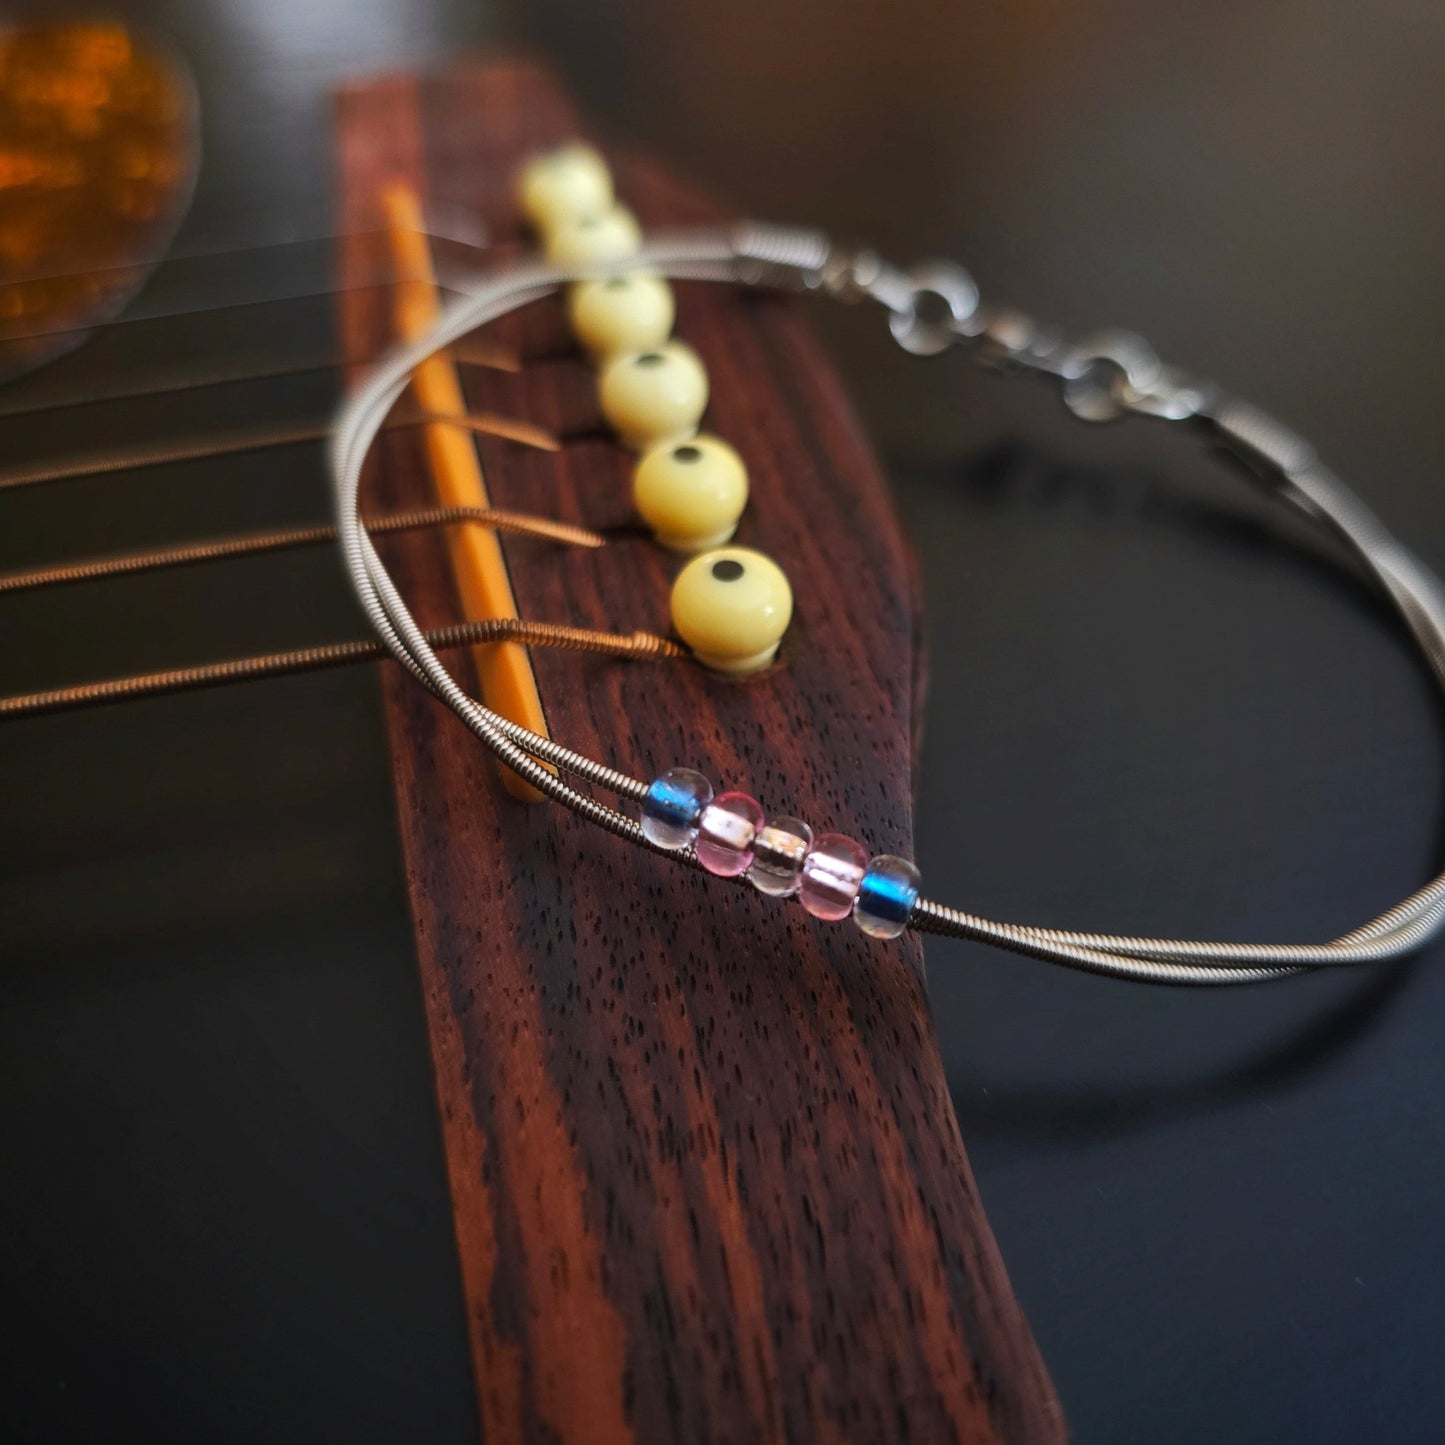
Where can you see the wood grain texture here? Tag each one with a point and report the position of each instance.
(707, 1179)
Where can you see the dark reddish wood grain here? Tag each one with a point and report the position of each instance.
(708, 1182)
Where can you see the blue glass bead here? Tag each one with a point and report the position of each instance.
(886, 896)
(672, 807)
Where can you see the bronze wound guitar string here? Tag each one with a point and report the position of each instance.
(643, 646)
(522, 524)
(190, 379)
(931, 309)
(226, 444)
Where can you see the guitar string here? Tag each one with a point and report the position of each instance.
(476, 239)
(754, 255)
(139, 314)
(149, 454)
(479, 354)
(639, 646)
(253, 544)
(123, 324)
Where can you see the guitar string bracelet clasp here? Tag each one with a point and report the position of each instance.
(933, 308)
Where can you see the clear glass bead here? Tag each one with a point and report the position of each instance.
(886, 896)
(725, 833)
(672, 807)
(832, 874)
(778, 853)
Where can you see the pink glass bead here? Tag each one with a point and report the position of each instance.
(832, 874)
(725, 834)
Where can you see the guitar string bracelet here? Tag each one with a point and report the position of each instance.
(931, 309)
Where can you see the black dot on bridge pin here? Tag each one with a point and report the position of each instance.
(727, 570)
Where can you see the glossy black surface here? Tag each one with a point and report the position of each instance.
(224, 1213)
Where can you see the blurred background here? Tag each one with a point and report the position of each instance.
(224, 1213)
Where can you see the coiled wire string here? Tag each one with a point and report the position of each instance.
(759, 255)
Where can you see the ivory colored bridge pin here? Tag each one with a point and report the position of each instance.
(732, 607)
(650, 397)
(691, 493)
(594, 239)
(563, 185)
(622, 313)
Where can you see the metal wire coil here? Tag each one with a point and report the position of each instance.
(1118, 383)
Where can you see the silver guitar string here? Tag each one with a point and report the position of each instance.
(932, 308)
